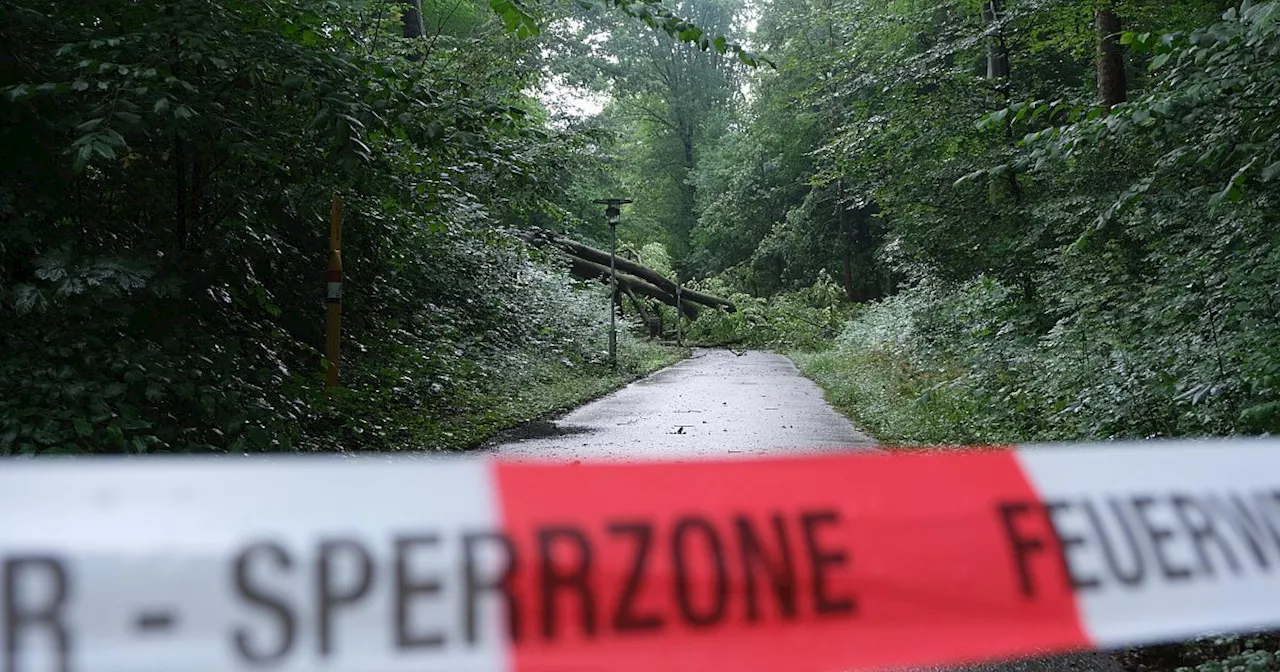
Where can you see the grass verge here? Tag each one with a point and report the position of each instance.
(899, 406)
(398, 412)
(547, 388)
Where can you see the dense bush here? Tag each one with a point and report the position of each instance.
(948, 363)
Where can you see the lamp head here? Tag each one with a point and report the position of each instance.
(612, 211)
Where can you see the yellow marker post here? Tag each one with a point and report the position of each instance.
(333, 297)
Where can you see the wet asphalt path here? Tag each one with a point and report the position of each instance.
(714, 404)
(718, 404)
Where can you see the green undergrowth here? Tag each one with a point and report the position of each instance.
(888, 373)
(1253, 653)
(805, 319)
(547, 388)
(885, 398)
(531, 385)
(970, 363)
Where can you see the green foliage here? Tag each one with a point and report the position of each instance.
(463, 408)
(956, 364)
(883, 374)
(772, 213)
(163, 219)
(1250, 653)
(1073, 271)
(669, 100)
(690, 29)
(803, 320)
(1245, 661)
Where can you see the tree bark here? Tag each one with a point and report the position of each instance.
(1112, 88)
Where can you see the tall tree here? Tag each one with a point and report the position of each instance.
(1112, 85)
(411, 15)
(997, 48)
(672, 99)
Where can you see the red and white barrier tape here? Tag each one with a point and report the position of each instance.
(810, 564)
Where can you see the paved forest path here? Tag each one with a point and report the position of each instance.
(714, 404)
(721, 404)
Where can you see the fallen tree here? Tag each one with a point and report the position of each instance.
(587, 260)
(628, 284)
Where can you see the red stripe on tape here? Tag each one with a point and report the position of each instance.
(817, 565)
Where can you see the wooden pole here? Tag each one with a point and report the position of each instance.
(333, 297)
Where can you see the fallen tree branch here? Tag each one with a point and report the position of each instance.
(576, 250)
(589, 270)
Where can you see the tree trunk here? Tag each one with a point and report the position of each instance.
(588, 253)
(412, 17)
(848, 270)
(1112, 88)
(997, 50)
(587, 270)
(867, 245)
(654, 327)
(998, 69)
(847, 236)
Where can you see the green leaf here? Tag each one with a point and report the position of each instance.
(19, 92)
(691, 34)
(128, 118)
(28, 298)
(82, 157)
(1159, 61)
(970, 177)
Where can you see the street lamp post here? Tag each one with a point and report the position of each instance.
(612, 212)
(679, 269)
